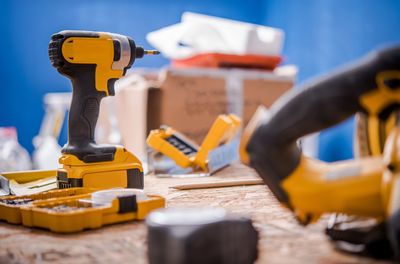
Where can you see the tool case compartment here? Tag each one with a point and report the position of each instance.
(77, 213)
(10, 206)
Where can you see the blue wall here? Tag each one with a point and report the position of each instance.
(26, 27)
(320, 34)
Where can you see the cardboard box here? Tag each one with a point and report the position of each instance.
(189, 100)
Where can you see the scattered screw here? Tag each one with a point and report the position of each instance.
(16, 201)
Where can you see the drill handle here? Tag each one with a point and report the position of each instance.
(84, 109)
(82, 119)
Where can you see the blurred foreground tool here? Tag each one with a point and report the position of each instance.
(367, 187)
(93, 61)
(218, 149)
(200, 235)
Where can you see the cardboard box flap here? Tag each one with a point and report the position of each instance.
(189, 100)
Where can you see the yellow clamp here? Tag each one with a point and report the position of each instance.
(184, 152)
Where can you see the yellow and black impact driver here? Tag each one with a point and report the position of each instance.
(93, 61)
(367, 187)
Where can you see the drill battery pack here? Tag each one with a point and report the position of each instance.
(187, 154)
(124, 171)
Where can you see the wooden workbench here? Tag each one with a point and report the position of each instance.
(282, 239)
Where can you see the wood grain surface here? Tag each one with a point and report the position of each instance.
(282, 239)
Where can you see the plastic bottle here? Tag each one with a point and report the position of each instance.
(13, 157)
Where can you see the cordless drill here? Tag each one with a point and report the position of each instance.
(367, 187)
(93, 61)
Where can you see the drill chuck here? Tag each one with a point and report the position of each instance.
(140, 52)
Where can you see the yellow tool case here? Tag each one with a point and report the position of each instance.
(10, 205)
(74, 214)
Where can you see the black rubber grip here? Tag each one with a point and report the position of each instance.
(83, 116)
(312, 107)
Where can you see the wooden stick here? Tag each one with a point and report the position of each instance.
(218, 184)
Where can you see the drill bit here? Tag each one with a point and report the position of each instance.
(140, 52)
(151, 52)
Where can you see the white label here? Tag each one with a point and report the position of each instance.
(343, 173)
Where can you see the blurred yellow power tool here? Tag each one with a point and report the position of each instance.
(367, 187)
(93, 61)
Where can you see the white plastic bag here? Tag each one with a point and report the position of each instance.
(198, 34)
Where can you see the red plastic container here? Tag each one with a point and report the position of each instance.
(221, 60)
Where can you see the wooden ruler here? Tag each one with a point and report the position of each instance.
(218, 184)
